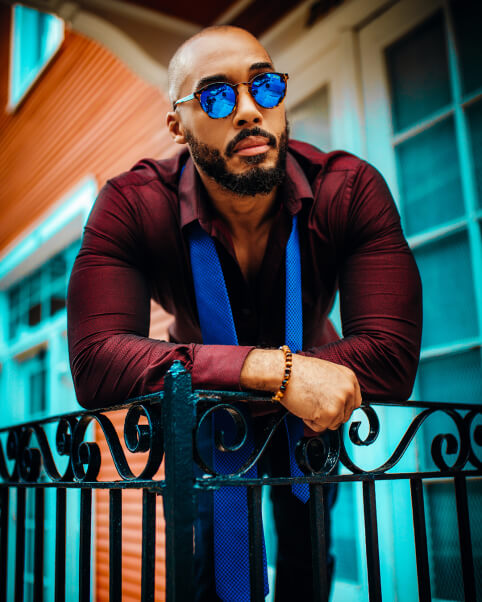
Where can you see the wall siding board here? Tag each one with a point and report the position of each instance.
(86, 115)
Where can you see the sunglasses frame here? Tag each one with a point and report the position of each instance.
(197, 95)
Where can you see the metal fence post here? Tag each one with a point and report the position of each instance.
(178, 419)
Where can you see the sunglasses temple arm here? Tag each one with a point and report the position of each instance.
(185, 99)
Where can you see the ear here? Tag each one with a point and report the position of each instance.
(175, 127)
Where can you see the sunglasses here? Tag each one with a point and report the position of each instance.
(219, 99)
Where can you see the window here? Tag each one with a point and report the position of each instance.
(435, 85)
(40, 295)
(37, 383)
(310, 120)
(436, 108)
(36, 37)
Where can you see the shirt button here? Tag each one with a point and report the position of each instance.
(246, 312)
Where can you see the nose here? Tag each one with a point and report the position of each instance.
(247, 111)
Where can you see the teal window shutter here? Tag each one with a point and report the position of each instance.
(37, 298)
(36, 37)
(436, 106)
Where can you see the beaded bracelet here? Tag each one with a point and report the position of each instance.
(278, 396)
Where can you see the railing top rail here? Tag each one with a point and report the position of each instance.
(218, 396)
(150, 427)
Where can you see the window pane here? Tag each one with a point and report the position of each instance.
(34, 299)
(445, 564)
(429, 174)
(453, 378)
(34, 314)
(344, 517)
(57, 302)
(14, 306)
(41, 294)
(34, 287)
(310, 120)
(474, 116)
(448, 291)
(418, 74)
(37, 366)
(36, 36)
(467, 21)
(57, 268)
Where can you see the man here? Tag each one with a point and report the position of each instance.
(241, 183)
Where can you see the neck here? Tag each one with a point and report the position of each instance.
(245, 216)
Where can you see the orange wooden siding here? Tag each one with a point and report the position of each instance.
(131, 527)
(88, 114)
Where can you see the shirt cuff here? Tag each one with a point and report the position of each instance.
(218, 366)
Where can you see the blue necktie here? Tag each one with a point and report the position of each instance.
(231, 536)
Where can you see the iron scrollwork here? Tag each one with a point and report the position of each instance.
(29, 449)
(319, 455)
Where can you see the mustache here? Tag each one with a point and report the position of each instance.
(245, 134)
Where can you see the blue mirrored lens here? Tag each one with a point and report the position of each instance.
(268, 89)
(218, 100)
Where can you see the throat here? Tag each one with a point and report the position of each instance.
(250, 251)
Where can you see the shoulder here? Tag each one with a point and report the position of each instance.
(134, 208)
(149, 176)
(314, 160)
(337, 170)
(143, 197)
(348, 192)
(334, 177)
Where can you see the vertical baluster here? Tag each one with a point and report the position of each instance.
(318, 543)
(20, 545)
(421, 548)
(178, 415)
(85, 544)
(115, 545)
(60, 546)
(465, 538)
(3, 542)
(38, 583)
(256, 569)
(148, 545)
(371, 540)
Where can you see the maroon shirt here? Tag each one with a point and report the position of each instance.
(135, 248)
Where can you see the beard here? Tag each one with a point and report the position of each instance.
(258, 180)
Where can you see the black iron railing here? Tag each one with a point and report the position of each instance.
(165, 426)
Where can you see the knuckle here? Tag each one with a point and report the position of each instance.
(331, 413)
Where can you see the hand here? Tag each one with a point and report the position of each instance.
(321, 393)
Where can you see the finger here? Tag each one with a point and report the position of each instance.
(314, 426)
(358, 400)
(354, 402)
(349, 407)
(351, 403)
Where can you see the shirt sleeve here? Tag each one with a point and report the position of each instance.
(108, 311)
(380, 291)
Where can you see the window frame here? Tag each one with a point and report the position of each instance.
(14, 103)
(55, 231)
(390, 27)
(398, 21)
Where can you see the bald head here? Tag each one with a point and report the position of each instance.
(180, 65)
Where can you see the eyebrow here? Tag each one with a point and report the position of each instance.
(222, 77)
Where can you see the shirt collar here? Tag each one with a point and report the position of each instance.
(194, 204)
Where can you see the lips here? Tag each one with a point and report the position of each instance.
(252, 145)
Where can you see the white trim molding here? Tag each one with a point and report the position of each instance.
(53, 231)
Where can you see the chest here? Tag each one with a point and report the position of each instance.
(250, 252)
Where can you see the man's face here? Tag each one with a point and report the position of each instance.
(245, 151)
